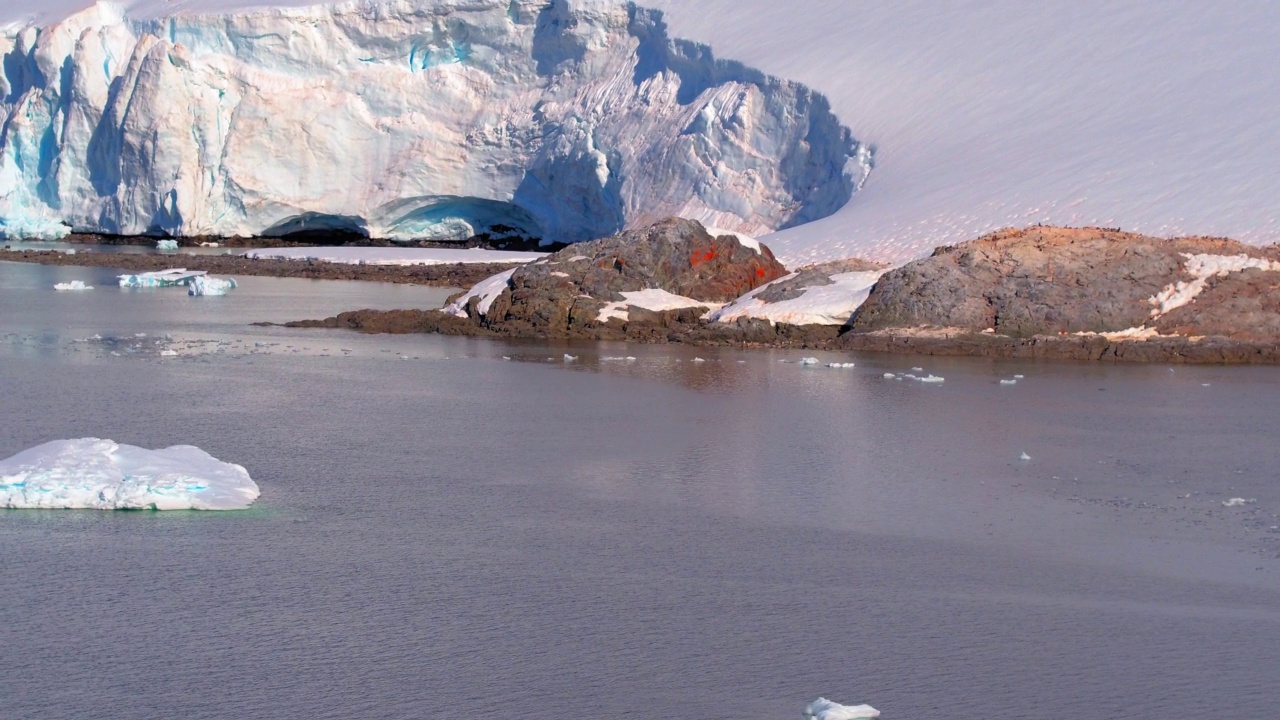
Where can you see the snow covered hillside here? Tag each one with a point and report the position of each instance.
(1160, 118)
(402, 119)
(1156, 117)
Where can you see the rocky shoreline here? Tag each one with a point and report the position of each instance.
(453, 275)
(1044, 293)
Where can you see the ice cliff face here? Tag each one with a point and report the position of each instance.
(565, 119)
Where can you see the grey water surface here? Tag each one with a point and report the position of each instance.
(461, 528)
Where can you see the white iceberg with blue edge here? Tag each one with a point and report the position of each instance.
(92, 473)
(824, 709)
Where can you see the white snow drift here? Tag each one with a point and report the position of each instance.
(651, 299)
(100, 474)
(562, 119)
(1202, 268)
(833, 304)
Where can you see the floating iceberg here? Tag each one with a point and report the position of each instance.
(206, 285)
(932, 379)
(1009, 382)
(73, 285)
(824, 709)
(102, 475)
(1238, 502)
(809, 361)
(167, 245)
(161, 278)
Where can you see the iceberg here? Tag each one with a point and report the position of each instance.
(824, 709)
(161, 278)
(167, 245)
(100, 474)
(73, 285)
(208, 285)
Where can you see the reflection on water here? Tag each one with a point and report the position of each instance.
(443, 529)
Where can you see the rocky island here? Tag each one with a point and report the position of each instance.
(1070, 293)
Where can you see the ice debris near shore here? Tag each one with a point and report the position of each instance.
(167, 245)
(403, 119)
(824, 709)
(91, 473)
(161, 278)
(73, 285)
(208, 285)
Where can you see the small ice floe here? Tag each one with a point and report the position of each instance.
(809, 361)
(1009, 382)
(167, 245)
(889, 376)
(1019, 377)
(209, 285)
(932, 379)
(161, 278)
(1024, 457)
(570, 358)
(824, 709)
(507, 358)
(917, 369)
(1239, 502)
(1205, 385)
(699, 360)
(73, 285)
(168, 353)
(841, 366)
(103, 475)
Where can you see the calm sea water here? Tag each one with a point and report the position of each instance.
(445, 533)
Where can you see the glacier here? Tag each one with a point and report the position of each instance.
(91, 473)
(563, 119)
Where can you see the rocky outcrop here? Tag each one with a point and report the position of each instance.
(1051, 281)
(640, 282)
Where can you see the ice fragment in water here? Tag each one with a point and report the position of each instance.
(889, 376)
(1009, 382)
(1025, 457)
(932, 379)
(167, 245)
(824, 709)
(73, 285)
(1238, 502)
(207, 285)
(100, 474)
(809, 361)
(570, 358)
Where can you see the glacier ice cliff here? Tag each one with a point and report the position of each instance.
(563, 119)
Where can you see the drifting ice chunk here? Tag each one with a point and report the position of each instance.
(809, 361)
(102, 475)
(1009, 382)
(73, 285)
(1238, 502)
(932, 379)
(1025, 457)
(824, 709)
(167, 245)
(161, 278)
(206, 285)
(570, 358)
(889, 376)
(839, 366)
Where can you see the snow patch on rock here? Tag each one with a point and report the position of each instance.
(486, 290)
(833, 304)
(651, 299)
(1203, 267)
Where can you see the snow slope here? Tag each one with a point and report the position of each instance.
(1160, 118)
(1156, 117)
(403, 119)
